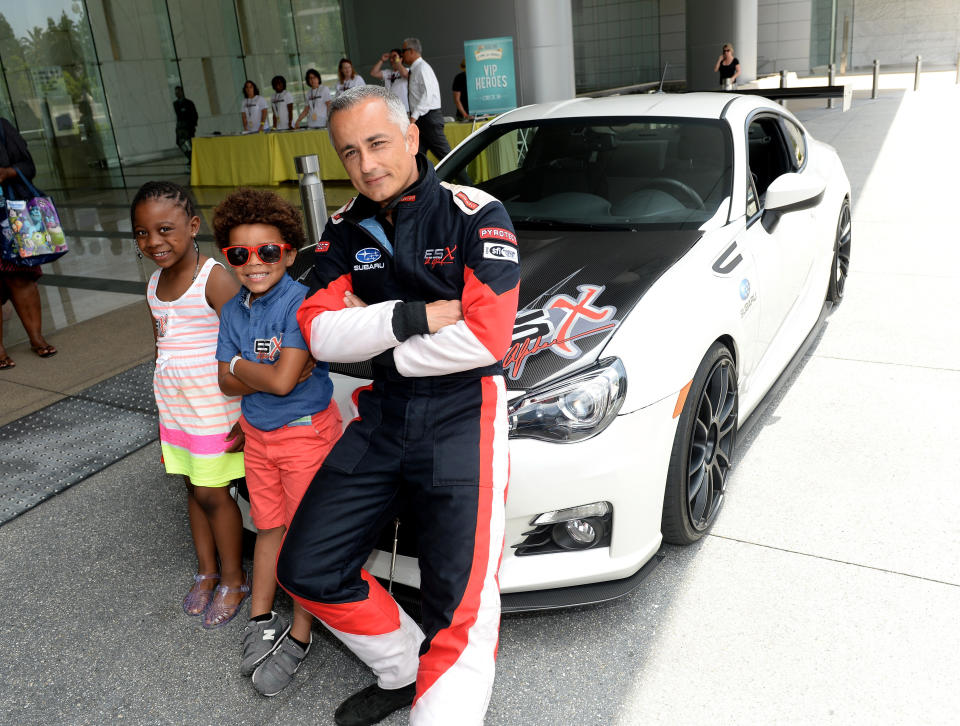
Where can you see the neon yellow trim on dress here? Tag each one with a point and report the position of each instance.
(215, 471)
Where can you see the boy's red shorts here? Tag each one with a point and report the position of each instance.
(280, 464)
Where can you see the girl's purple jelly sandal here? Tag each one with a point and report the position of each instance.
(219, 613)
(198, 599)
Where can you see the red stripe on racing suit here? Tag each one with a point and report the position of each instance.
(458, 666)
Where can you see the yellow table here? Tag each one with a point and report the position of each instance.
(266, 159)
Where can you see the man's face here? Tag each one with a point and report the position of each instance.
(379, 158)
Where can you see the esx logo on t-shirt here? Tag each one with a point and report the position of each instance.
(267, 348)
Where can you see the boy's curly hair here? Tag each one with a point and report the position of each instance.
(257, 206)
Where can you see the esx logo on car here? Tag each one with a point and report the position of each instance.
(556, 326)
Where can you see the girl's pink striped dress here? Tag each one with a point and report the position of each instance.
(195, 417)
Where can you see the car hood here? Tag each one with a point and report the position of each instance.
(576, 287)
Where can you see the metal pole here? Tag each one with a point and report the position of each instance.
(958, 69)
(876, 78)
(311, 196)
(831, 77)
(916, 74)
(783, 79)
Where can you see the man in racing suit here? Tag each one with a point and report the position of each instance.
(422, 277)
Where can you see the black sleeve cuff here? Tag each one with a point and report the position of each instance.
(410, 319)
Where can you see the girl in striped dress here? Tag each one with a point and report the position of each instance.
(185, 297)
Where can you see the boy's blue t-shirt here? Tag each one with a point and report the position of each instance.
(257, 330)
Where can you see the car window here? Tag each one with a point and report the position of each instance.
(796, 143)
(616, 172)
(767, 153)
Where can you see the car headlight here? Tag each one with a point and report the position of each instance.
(573, 408)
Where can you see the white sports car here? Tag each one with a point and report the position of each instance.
(675, 251)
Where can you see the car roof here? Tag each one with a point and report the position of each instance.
(684, 105)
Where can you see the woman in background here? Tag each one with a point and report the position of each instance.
(254, 114)
(19, 282)
(348, 76)
(282, 103)
(318, 101)
(728, 67)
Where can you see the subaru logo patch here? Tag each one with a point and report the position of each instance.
(744, 289)
(368, 255)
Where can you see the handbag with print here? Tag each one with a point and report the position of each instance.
(31, 231)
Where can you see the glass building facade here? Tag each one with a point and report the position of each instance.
(615, 43)
(831, 38)
(90, 83)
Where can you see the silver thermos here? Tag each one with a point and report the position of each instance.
(314, 213)
(311, 196)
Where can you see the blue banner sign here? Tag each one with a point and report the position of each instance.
(491, 78)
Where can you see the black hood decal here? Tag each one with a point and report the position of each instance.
(576, 287)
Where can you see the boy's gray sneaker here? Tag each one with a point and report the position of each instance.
(276, 672)
(259, 640)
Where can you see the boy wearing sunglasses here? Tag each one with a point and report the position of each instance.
(288, 416)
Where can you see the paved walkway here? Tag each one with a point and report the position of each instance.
(827, 592)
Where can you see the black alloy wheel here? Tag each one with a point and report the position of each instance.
(703, 450)
(841, 255)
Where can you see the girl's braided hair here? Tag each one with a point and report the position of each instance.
(163, 190)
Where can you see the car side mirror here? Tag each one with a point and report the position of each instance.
(791, 192)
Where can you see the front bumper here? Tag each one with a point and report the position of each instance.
(625, 465)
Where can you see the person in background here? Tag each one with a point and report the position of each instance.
(459, 89)
(187, 117)
(425, 100)
(728, 67)
(394, 79)
(18, 283)
(282, 103)
(254, 116)
(318, 101)
(347, 76)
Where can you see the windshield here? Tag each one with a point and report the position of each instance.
(601, 173)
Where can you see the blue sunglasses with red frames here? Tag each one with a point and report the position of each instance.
(269, 253)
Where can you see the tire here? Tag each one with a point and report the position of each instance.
(702, 450)
(841, 256)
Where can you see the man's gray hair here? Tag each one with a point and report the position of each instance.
(359, 94)
(413, 44)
